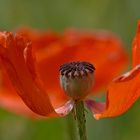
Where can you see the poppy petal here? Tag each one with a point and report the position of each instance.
(13, 103)
(46, 45)
(122, 93)
(136, 48)
(28, 88)
(102, 49)
(66, 108)
(16, 105)
(10, 100)
(40, 39)
(94, 106)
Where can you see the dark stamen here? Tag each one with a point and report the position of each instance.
(76, 69)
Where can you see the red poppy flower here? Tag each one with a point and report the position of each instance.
(34, 71)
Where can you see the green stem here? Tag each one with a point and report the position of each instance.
(79, 114)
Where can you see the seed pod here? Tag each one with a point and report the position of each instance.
(76, 79)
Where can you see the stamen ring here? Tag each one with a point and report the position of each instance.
(76, 69)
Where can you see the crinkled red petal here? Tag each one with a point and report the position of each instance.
(121, 95)
(14, 55)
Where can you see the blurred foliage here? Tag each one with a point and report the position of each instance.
(119, 16)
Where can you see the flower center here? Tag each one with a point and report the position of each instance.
(76, 78)
(76, 69)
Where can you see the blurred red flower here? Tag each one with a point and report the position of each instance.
(33, 69)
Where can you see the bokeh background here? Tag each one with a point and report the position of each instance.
(119, 16)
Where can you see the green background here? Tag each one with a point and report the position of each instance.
(119, 16)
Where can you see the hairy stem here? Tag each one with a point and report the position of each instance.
(79, 115)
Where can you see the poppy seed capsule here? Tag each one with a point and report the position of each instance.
(76, 79)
